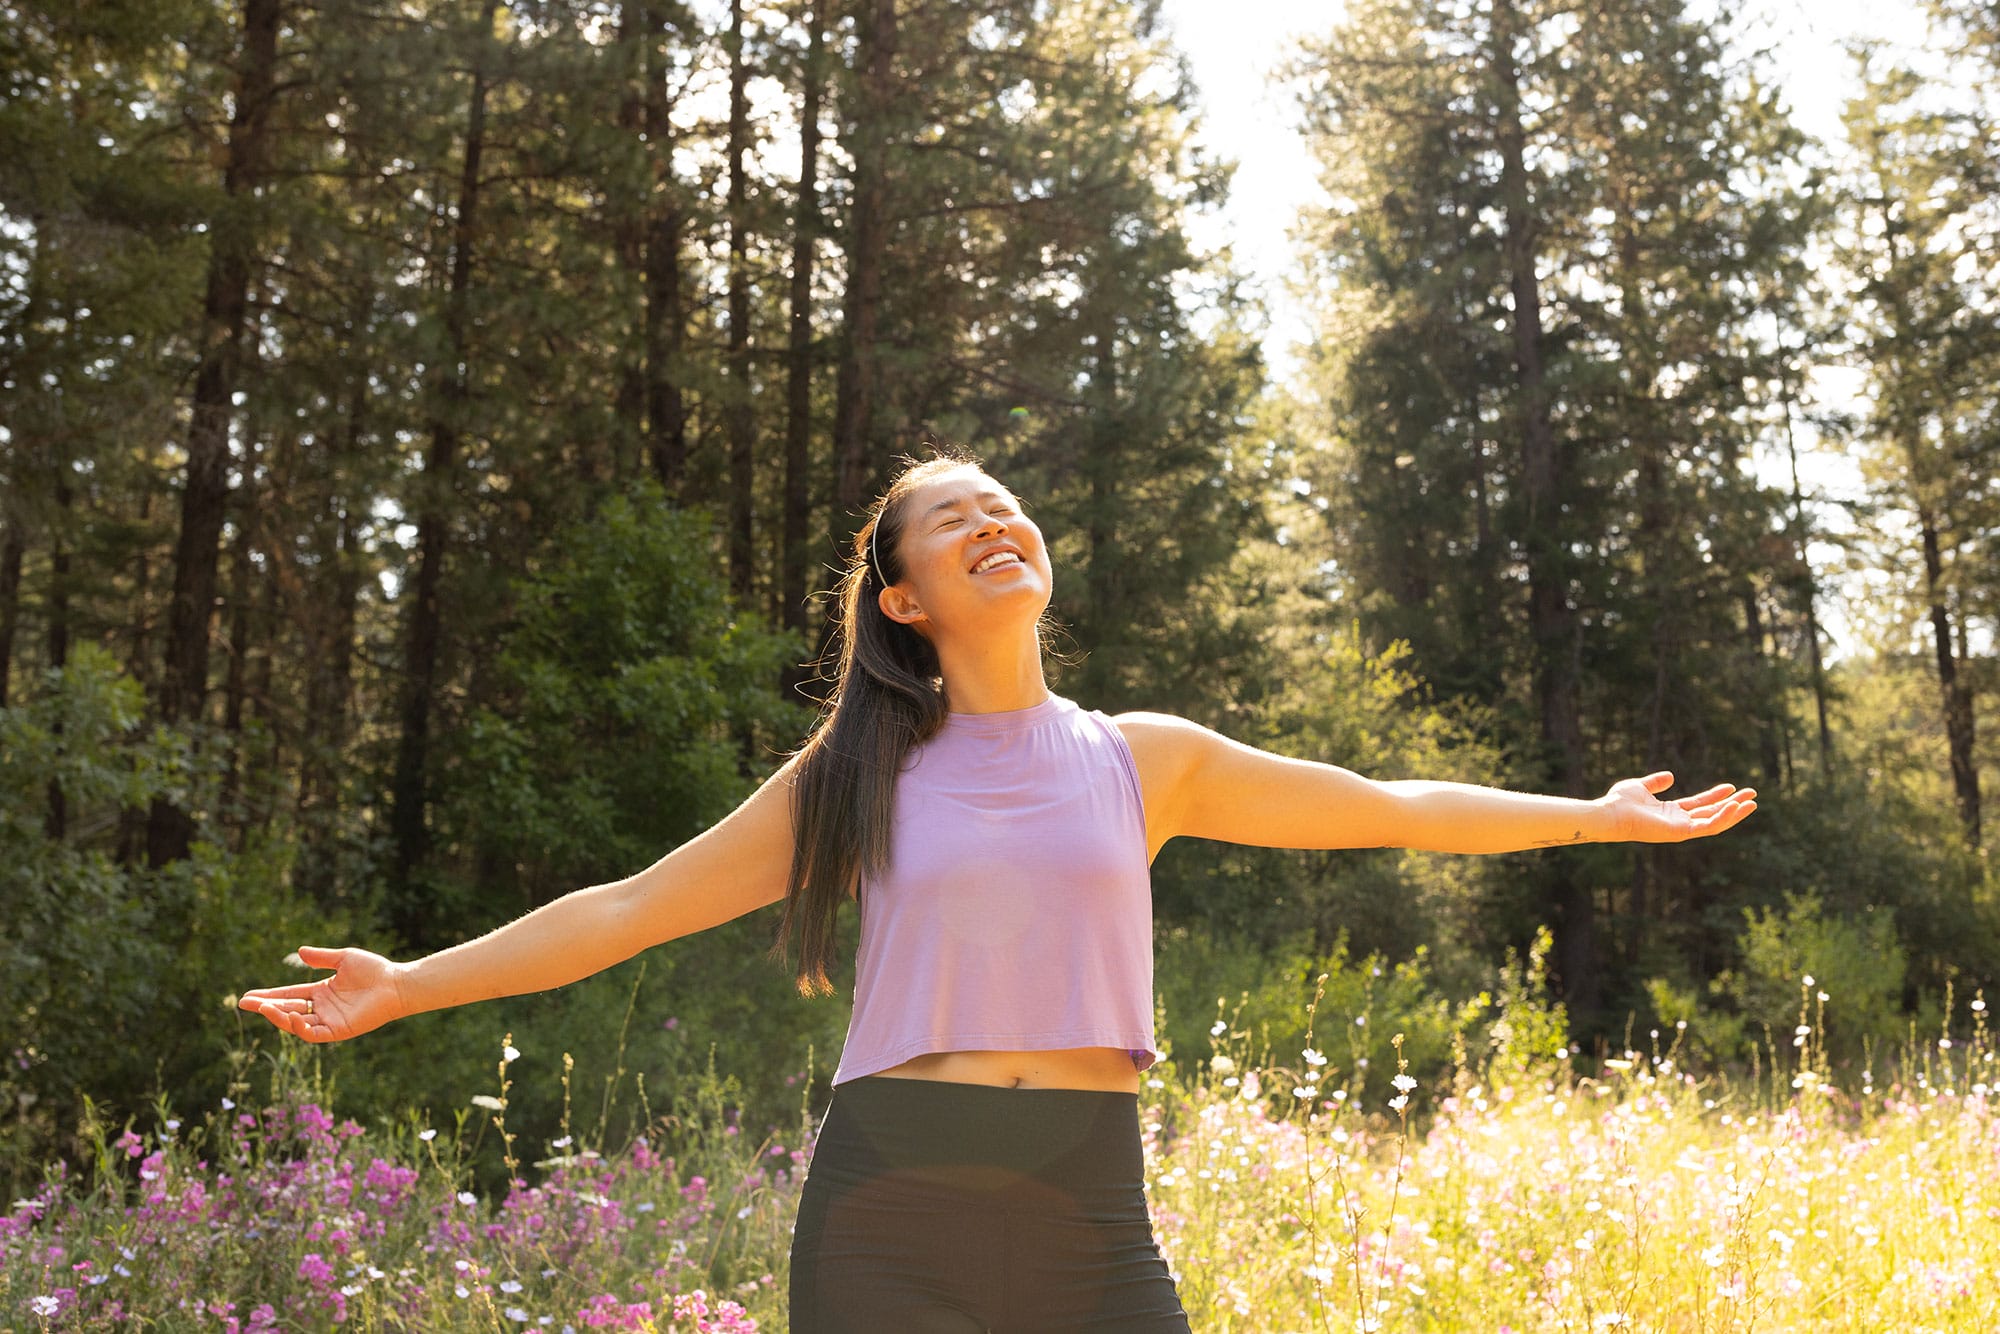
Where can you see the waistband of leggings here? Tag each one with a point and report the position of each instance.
(938, 1133)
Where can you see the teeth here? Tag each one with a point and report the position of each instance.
(997, 558)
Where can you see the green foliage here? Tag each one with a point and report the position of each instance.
(1259, 996)
(115, 979)
(633, 705)
(1857, 962)
(1529, 1038)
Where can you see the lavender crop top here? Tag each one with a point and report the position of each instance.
(1016, 912)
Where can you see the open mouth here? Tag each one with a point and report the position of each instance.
(997, 560)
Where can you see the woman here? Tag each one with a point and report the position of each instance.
(979, 1167)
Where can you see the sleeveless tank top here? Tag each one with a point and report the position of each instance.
(1016, 911)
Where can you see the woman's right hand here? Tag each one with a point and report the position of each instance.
(365, 992)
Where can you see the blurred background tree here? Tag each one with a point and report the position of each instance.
(426, 434)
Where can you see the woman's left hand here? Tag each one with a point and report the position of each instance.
(1639, 816)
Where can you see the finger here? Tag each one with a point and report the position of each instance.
(1657, 783)
(1707, 798)
(305, 1027)
(315, 956)
(296, 991)
(1726, 818)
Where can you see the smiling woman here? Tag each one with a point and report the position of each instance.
(980, 1163)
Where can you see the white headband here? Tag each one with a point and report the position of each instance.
(873, 558)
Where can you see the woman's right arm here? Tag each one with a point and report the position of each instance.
(737, 866)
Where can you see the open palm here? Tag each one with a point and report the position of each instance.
(364, 993)
(1644, 818)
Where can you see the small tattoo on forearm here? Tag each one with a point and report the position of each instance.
(1577, 837)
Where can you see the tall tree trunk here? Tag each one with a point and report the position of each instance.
(796, 520)
(236, 675)
(409, 822)
(666, 408)
(225, 310)
(1767, 730)
(57, 820)
(329, 674)
(1811, 590)
(204, 499)
(1958, 721)
(628, 206)
(867, 239)
(1552, 622)
(737, 419)
(11, 553)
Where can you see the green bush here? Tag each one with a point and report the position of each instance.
(1856, 961)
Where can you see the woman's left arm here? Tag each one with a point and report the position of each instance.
(1201, 784)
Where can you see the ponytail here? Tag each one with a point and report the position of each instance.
(888, 698)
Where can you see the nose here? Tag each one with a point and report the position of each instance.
(991, 524)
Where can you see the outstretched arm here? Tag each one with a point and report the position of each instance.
(1204, 785)
(737, 866)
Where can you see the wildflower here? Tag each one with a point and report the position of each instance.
(489, 1102)
(517, 1315)
(1944, 1044)
(1400, 1101)
(1314, 1057)
(511, 1286)
(44, 1306)
(1404, 1082)
(562, 1143)
(1978, 1006)
(1222, 1065)
(1360, 1021)
(1217, 1029)
(510, 1054)
(467, 1198)
(427, 1136)
(1809, 979)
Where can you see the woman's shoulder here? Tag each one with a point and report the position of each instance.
(1159, 739)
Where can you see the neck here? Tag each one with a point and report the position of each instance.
(993, 676)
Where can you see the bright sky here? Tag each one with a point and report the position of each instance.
(1234, 47)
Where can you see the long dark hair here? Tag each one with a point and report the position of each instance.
(888, 698)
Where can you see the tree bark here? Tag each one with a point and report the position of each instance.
(1552, 622)
(628, 206)
(666, 408)
(1958, 719)
(225, 311)
(736, 415)
(409, 823)
(867, 239)
(56, 823)
(11, 554)
(1811, 591)
(796, 521)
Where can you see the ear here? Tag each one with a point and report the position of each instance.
(897, 604)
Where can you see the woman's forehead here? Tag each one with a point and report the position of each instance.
(962, 483)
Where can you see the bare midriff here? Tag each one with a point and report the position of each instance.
(1106, 1069)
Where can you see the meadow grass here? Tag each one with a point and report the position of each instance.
(1632, 1196)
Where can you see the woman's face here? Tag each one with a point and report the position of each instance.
(971, 558)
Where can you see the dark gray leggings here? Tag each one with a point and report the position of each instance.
(941, 1208)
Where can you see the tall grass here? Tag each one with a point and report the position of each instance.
(1632, 1195)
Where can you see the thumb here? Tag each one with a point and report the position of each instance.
(313, 956)
(1656, 783)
